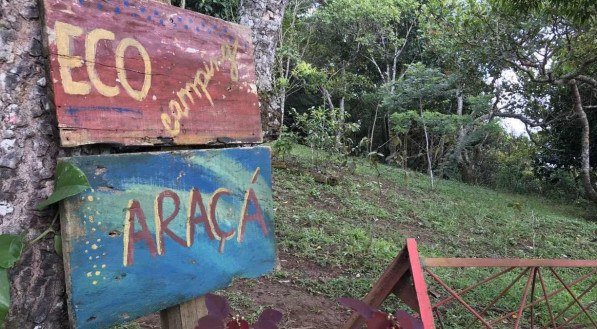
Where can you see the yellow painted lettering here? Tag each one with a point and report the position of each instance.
(67, 61)
(120, 50)
(90, 50)
(172, 126)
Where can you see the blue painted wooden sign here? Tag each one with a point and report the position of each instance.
(158, 229)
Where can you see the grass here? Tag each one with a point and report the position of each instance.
(358, 226)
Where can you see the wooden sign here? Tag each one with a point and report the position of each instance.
(138, 72)
(159, 229)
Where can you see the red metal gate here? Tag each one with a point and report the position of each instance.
(544, 298)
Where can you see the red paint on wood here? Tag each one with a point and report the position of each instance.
(163, 223)
(142, 73)
(135, 211)
(197, 200)
(420, 285)
(251, 198)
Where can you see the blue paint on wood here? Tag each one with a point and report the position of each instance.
(102, 290)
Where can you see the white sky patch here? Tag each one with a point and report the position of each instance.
(513, 127)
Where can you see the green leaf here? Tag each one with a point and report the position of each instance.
(70, 181)
(58, 244)
(10, 249)
(4, 296)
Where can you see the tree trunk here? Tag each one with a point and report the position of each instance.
(340, 124)
(463, 167)
(585, 168)
(264, 17)
(427, 146)
(459, 108)
(28, 151)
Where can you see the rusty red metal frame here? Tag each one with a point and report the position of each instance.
(405, 277)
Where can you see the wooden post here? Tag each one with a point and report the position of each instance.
(184, 316)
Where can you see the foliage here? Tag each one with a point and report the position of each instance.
(439, 123)
(560, 149)
(325, 129)
(420, 84)
(579, 11)
(219, 316)
(283, 145)
(377, 319)
(70, 181)
(460, 65)
(11, 247)
(224, 9)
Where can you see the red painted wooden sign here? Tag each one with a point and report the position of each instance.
(143, 73)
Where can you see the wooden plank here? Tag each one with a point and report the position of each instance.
(393, 274)
(159, 229)
(416, 270)
(138, 72)
(185, 315)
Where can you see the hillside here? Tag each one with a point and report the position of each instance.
(334, 241)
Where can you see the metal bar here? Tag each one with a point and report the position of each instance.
(578, 313)
(438, 316)
(553, 320)
(458, 298)
(500, 295)
(466, 290)
(506, 262)
(523, 300)
(420, 286)
(579, 297)
(533, 296)
(555, 292)
(573, 296)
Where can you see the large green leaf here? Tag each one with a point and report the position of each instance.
(4, 296)
(70, 181)
(10, 249)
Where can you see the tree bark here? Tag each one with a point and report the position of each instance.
(585, 168)
(463, 167)
(264, 17)
(427, 146)
(28, 151)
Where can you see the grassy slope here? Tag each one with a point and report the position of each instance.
(358, 226)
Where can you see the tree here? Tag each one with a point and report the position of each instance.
(557, 48)
(28, 151)
(548, 43)
(420, 88)
(295, 38)
(264, 17)
(360, 46)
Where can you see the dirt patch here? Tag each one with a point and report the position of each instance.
(307, 268)
(301, 309)
(151, 321)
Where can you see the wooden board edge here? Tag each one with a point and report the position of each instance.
(69, 138)
(66, 245)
